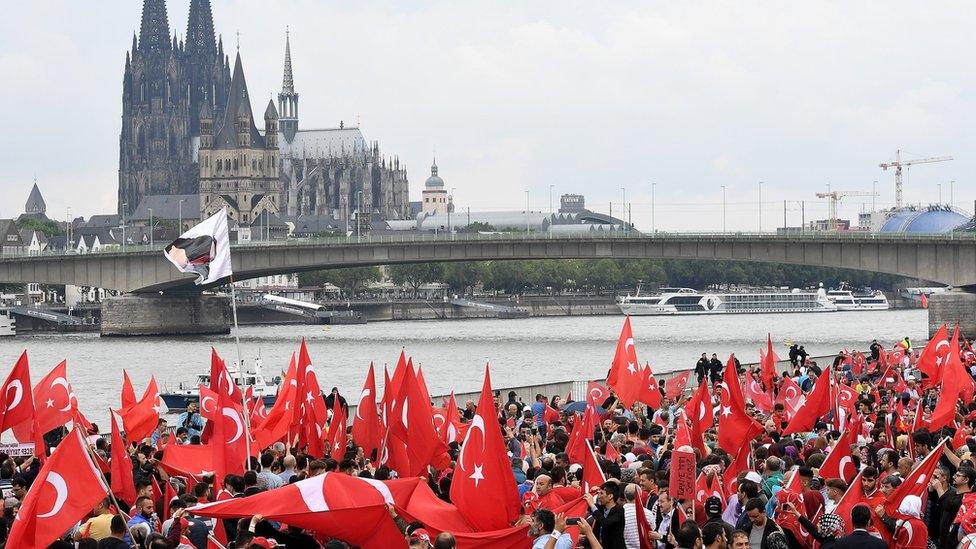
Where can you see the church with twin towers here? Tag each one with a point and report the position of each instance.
(189, 135)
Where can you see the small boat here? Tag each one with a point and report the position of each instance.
(260, 386)
(8, 326)
(858, 300)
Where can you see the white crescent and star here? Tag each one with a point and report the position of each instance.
(841, 467)
(477, 424)
(229, 412)
(60, 381)
(629, 344)
(363, 396)
(203, 404)
(18, 394)
(57, 481)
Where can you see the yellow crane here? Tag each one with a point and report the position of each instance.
(898, 163)
(835, 197)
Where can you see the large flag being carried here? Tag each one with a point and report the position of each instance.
(484, 488)
(626, 377)
(203, 250)
(66, 489)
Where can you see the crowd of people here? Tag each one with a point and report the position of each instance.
(877, 462)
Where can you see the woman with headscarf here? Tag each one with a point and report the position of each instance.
(907, 526)
(829, 526)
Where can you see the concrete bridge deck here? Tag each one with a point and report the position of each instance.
(943, 258)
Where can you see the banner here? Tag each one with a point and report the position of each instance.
(203, 250)
(14, 449)
(682, 481)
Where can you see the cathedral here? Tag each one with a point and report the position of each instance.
(188, 129)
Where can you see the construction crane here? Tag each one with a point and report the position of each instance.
(835, 197)
(897, 164)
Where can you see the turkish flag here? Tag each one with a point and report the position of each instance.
(735, 427)
(221, 380)
(17, 401)
(643, 525)
(189, 460)
(128, 392)
(851, 498)
(955, 381)
(847, 398)
(367, 431)
(768, 361)
(484, 488)
(592, 472)
(625, 375)
(754, 392)
(839, 462)
(331, 504)
(582, 431)
(699, 411)
(596, 394)
(817, 404)
(707, 486)
(790, 396)
(278, 420)
(123, 484)
(611, 453)
(917, 481)
(337, 432)
(311, 421)
(391, 386)
(449, 425)
(934, 355)
(66, 489)
(141, 418)
(682, 436)
(676, 385)
(229, 441)
(650, 393)
(54, 399)
(208, 403)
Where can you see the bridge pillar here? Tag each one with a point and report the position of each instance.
(951, 307)
(155, 314)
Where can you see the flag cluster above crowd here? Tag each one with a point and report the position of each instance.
(871, 450)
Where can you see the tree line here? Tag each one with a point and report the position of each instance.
(601, 275)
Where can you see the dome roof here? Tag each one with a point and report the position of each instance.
(434, 181)
(923, 221)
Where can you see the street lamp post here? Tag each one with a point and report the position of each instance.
(450, 206)
(940, 193)
(760, 206)
(723, 208)
(623, 206)
(526, 213)
(952, 185)
(67, 229)
(150, 228)
(653, 186)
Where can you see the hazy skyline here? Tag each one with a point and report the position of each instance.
(588, 98)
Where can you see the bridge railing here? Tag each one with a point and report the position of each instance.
(659, 236)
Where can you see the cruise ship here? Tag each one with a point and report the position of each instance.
(847, 300)
(686, 301)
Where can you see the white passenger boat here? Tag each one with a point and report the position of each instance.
(686, 301)
(267, 389)
(848, 300)
(8, 326)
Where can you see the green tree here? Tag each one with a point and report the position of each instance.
(476, 227)
(46, 227)
(416, 275)
(601, 274)
(464, 275)
(349, 279)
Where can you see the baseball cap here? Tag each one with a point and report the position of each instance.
(420, 534)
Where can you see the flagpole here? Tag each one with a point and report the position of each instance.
(111, 495)
(240, 366)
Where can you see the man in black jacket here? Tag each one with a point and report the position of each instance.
(701, 368)
(715, 369)
(860, 538)
(608, 516)
(763, 532)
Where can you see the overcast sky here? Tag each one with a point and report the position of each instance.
(588, 97)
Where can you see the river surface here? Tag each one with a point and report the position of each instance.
(452, 352)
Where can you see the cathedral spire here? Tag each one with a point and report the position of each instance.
(154, 31)
(288, 81)
(200, 29)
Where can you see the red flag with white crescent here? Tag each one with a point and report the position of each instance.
(625, 376)
(839, 462)
(17, 401)
(484, 488)
(66, 489)
(54, 400)
(596, 394)
(735, 427)
(676, 385)
(366, 428)
(123, 484)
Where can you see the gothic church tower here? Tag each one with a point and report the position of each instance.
(164, 86)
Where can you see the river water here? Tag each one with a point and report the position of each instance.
(452, 352)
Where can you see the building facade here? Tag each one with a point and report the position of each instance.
(165, 86)
(238, 167)
(335, 171)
